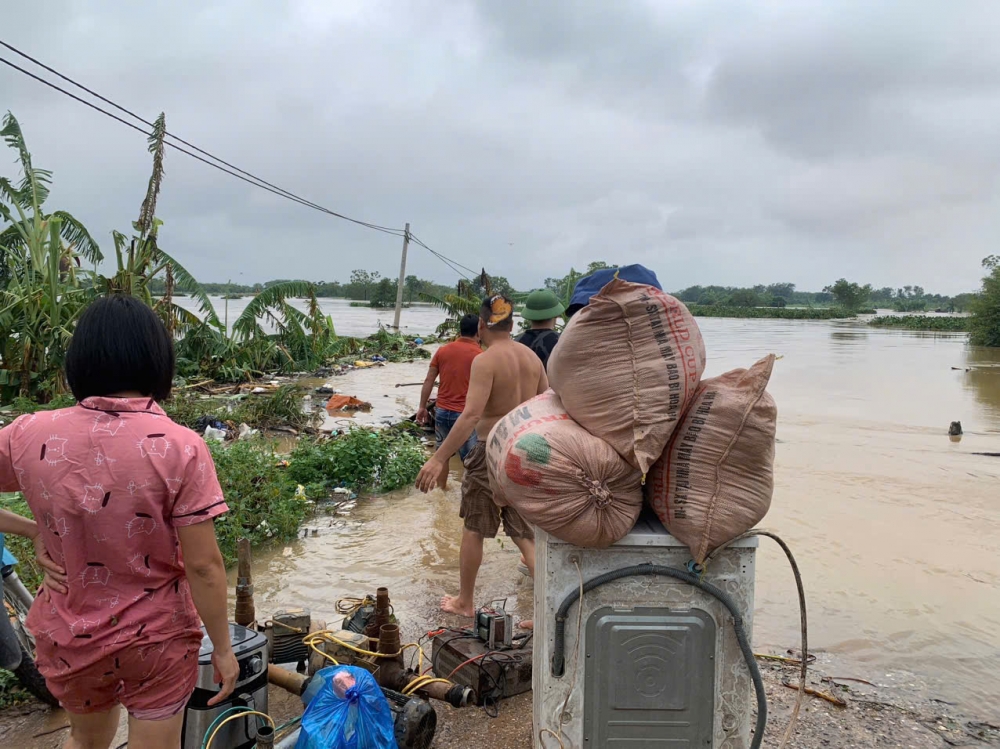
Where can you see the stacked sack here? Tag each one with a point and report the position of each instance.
(715, 480)
(625, 369)
(560, 477)
(627, 404)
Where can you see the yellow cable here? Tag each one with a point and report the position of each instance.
(418, 684)
(237, 716)
(326, 655)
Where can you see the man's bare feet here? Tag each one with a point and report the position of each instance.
(526, 624)
(452, 605)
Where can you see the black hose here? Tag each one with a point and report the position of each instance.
(639, 570)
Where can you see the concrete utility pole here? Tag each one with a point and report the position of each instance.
(402, 278)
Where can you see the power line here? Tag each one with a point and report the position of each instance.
(448, 260)
(232, 169)
(226, 167)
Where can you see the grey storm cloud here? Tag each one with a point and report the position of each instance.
(717, 142)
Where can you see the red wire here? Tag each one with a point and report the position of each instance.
(463, 665)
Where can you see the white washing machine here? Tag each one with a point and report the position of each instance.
(658, 664)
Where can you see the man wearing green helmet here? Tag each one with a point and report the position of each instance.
(542, 308)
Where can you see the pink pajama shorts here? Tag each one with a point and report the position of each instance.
(152, 681)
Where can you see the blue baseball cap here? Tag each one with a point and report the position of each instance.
(588, 286)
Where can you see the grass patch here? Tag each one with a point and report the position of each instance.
(770, 313)
(922, 322)
(363, 459)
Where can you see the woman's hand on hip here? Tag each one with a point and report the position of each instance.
(55, 575)
(227, 670)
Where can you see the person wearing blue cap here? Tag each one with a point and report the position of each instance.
(588, 286)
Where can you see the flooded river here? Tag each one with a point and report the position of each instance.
(895, 526)
(418, 319)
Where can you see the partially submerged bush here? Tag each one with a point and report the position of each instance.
(280, 408)
(363, 459)
(261, 497)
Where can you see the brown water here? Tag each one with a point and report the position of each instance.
(419, 319)
(895, 526)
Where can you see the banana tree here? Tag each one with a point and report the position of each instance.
(40, 293)
(21, 209)
(140, 259)
(466, 300)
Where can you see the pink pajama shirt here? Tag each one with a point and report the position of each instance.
(109, 481)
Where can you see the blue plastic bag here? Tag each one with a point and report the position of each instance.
(357, 718)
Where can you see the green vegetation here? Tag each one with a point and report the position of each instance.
(11, 692)
(851, 296)
(777, 313)
(465, 300)
(363, 459)
(281, 408)
(29, 572)
(922, 322)
(261, 496)
(985, 322)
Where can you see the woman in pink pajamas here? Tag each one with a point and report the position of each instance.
(122, 500)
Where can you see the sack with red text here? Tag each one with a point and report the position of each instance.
(561, 478)
(715, 480)
(626, 367)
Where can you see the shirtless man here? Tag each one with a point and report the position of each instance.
(502, 378)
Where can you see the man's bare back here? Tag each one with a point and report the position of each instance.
(516, 375)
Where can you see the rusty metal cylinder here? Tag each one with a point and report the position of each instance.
(455, 695)
(265, 737)
(390, 668)
(383, 610)
(287, 680)
(245, 613)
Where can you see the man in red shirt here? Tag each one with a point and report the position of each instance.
(452, 363)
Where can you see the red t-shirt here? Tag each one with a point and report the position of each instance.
(453, 362)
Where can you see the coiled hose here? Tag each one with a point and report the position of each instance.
(645, 570)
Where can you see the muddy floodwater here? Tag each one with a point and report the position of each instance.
(417, 319)
(895, 526)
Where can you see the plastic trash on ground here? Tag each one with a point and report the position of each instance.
(246, 431)
(348, 711)
(218, 435)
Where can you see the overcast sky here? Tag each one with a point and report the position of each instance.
(716, 142)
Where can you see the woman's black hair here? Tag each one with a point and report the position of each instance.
(120, 345)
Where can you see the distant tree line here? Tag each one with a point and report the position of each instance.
(848, 295)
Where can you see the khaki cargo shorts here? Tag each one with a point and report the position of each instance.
(478, 510)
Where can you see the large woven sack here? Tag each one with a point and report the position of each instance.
(715, 480)
(626, 366)
(561, 478)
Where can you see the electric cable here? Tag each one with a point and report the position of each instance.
(222, 165)
(805, 656)
(232, 170)
(420, 242)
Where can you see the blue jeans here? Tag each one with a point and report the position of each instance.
(444, 420)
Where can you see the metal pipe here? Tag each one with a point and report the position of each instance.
(287, 680)
(390, 670)
(265, 737)
(245, 613)
(382, 613)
